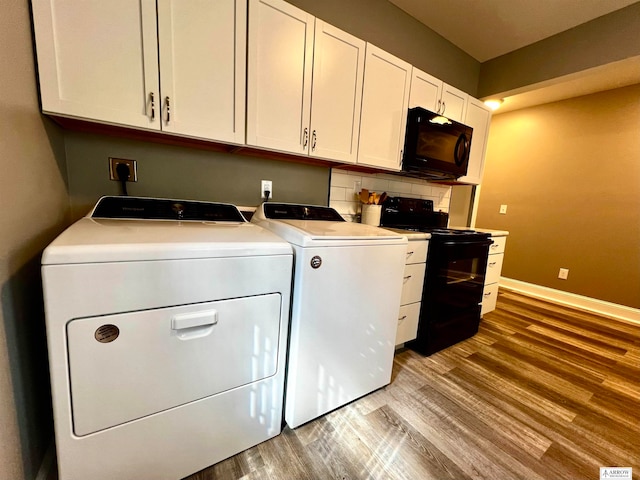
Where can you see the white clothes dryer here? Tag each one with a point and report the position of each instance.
(346, 296)
(167, 326)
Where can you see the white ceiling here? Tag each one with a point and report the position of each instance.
(486, 29)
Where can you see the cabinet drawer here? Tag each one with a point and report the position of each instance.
(498, 245)
(417, 251)
(412, 286)
(494, 267)
(408, 323)
(489, 298)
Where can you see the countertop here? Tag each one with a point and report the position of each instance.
(410, 234)
(493, 233)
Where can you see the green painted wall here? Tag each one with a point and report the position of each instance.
(607, 39)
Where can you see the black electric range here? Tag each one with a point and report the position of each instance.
(455, 271)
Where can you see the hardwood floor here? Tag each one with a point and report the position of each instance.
(541, 392)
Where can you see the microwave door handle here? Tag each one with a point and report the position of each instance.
(461, 143)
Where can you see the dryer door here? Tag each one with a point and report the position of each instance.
(127, 366)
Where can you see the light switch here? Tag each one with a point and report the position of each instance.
(503, 209)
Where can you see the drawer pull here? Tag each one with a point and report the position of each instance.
(409, 254)
(402, 318)
(492, 264)
(406, 279)
(488, 294)
(494, 246)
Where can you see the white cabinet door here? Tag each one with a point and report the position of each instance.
(338, 68)
(202, 68)
(98, 59)
(433, 94)
(280, 56)
(478, 117)
(426, 91)
(454, 103)
(385, 100)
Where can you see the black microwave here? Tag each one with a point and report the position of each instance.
(435, 146)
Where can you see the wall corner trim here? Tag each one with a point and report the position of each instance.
(619, 312)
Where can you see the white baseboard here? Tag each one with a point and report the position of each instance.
(47, 463)
(620, 312)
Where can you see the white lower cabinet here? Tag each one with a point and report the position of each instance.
(408, 323)
(492, 277)
(410, 302)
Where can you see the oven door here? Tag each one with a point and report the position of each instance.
(455, 274)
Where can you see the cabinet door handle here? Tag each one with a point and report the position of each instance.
(438, 107)
(152, 101)
(444, 107)
(167, 101)
(314, 137)
(305, 138)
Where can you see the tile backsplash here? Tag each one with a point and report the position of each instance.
(346, 185)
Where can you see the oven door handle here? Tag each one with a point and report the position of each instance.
(479, 244)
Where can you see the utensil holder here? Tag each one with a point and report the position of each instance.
(371, 214)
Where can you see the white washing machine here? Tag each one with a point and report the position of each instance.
(344, 315)
(167, 326)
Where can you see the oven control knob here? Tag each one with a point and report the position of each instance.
(316, 261)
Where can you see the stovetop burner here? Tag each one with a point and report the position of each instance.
(417, 215)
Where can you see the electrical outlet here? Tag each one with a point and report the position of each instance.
(133, 169)
(503, 209)
(266, 185)
(563, 274)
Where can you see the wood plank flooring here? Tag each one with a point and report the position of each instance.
(541, 392)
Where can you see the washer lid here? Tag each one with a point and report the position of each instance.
(327, 233)
(91, 240)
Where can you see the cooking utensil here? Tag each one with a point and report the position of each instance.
(364, 195)
(382, 198)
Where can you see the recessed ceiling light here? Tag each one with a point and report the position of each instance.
(494, 103)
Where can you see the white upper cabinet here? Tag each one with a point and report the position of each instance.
(338, 68)
(280, 57)
(426, 91)
(385, 101)
(433, 94)
(454, 103)
(202, 68)
(98, 60)
(478, 116)
(304, 83)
